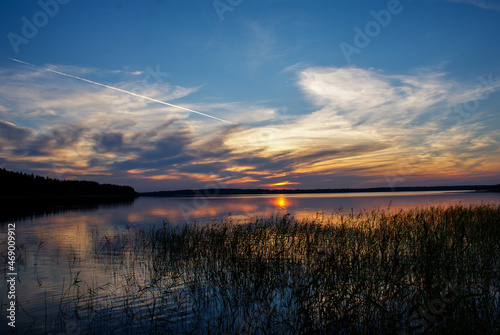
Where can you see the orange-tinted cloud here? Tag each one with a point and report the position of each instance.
(366, 127)
(282, 183)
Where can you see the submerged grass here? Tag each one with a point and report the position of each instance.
(425, 270)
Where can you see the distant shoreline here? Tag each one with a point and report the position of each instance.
(214, 192)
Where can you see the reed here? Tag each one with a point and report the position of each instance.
(426, 270)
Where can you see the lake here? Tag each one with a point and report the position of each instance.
(60, 254)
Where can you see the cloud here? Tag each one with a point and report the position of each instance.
(485, 4)
(3, 109)
(71, 98)
(365, 123)
(75, 125)
(261, 45)
(355, 95)
(11, 133)
(109, 142)
(256, 47)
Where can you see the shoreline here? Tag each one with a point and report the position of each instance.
(215, 192)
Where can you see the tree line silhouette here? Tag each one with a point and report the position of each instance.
(23, 184)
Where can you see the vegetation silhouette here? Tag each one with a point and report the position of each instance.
(23, 184)
(25, 196)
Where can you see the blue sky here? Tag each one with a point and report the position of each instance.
(311, 93)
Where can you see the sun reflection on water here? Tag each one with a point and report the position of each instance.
(281, 202)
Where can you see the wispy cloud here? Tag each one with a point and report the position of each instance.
(485, 4)
(364, 122)
(135, 94)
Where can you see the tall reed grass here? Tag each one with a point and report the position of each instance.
(426, 270)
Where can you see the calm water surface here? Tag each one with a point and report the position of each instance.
(56, 249)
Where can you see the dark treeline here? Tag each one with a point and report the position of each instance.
(233, 191)
(23, 184)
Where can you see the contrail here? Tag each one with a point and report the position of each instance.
(123, 91)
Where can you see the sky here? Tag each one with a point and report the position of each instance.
(181, 94)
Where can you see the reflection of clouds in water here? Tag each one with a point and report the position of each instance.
(209, 211)
(57, 253)
(180, 210)
(70, 238)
